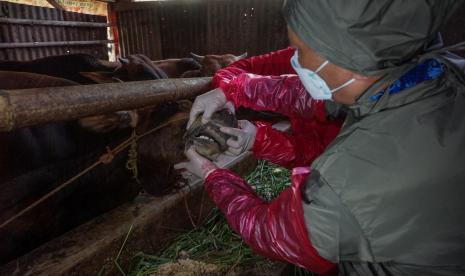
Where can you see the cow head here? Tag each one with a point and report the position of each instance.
(212, 63)
(133, 68)
(160, 150)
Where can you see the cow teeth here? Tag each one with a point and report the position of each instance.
(205, 137)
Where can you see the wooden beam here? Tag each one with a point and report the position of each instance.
(28, 107)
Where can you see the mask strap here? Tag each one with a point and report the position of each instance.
(321, 66)
(342, 86)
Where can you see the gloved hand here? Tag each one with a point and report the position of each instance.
(209, 103)
(197, 164)
(245, 137)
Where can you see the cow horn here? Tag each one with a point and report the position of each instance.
(123, 60)
(244, 55)
(197, 57)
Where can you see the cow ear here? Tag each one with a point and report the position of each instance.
(198, 58)
(244, 55)
(99, 77)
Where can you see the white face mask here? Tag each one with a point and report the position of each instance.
(313, 83)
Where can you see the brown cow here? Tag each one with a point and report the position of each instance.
(176, 67)
(133, 68)
(79, 68)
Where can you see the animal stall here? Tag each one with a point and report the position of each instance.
(91, 125)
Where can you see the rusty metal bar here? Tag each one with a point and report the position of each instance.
(53, 23)
(56, 5)
(54, 43)
(27, 107)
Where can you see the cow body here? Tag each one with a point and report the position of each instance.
(212, 63)
(35, 160)
(176, 67)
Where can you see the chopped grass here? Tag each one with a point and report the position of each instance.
(215, 242)
(269, 180)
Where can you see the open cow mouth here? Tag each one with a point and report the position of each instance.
(207, 138)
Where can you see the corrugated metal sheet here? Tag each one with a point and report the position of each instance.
(139, 32)
(178, 27)
(10, 33)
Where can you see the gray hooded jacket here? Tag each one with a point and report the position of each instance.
(387, 196)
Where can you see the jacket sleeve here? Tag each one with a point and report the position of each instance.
(283, 94)
(277, 229)
(298, 149)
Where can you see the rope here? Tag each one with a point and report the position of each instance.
(104, 159)
(131, 163)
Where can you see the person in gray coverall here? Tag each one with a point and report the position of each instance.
(387, 196)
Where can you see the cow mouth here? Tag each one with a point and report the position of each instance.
(207, 146)
(207, 138)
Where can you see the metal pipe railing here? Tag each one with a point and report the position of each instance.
(53, 43)
(28, 107)
(53, 23)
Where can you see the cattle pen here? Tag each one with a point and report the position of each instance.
(94, 100)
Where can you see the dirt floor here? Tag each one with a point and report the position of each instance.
(190, 267)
